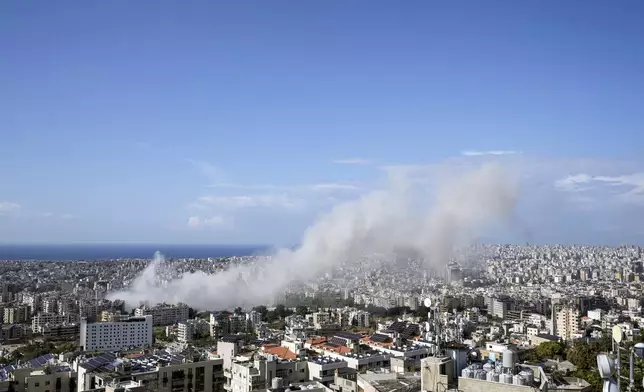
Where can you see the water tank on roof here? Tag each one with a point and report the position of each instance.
(492, 376)
(505, 378)
(518, 380)
(528, 374)
(277, 383)
(509, 359)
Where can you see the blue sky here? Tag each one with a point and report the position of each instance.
(224, 122)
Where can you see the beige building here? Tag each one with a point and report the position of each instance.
(16, 314)
(164, 314)
(41, 320)
(567, 323)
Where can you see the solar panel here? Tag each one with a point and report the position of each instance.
(398, 326)
(410, 331)
(348, 335)
(379, 338)
(337, 341)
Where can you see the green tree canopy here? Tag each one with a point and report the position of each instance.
(550, 350)
(302, 310)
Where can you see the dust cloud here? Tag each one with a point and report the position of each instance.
(402, 215)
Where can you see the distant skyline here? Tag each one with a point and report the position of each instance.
(239, 123)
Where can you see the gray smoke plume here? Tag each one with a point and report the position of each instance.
(399, 217)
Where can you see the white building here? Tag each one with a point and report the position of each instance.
(595, 314)
(187, 330)
(41, 320)
(254, 317)
(164, 314)
(112, 336)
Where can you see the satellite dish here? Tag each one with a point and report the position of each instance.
(618, 334)
(427, 302)
(610, 386)
(639, 349)
(606, 366)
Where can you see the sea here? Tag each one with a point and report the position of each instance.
(119, 251)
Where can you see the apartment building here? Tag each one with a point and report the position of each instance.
(160, 371)
(41, 320)
(187, 330)
(499, 308)
(60, 332)
(111, 316)
(164, 314)
(112, 336)
(257, 375)
(45, 373)
(16, 314)
(224, 324)
(254, 317)
(11, 332)
(567, 322)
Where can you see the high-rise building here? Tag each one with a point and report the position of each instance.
(567, 322)
(111, 336)
(254, 317)
(16, 314)
(188, 330)
(499, 308)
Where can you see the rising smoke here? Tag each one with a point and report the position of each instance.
(384, 221)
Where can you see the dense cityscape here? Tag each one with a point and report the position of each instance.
(504, 316)
(321, 196)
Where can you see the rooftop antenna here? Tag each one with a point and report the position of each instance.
(433, 322)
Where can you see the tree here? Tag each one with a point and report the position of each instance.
(271, 316)
(280, 311)
(550, 350)
(238, 310)
(302, 310)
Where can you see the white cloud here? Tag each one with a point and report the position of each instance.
(573, 183)
(473, 153)
(197, 221)
(627, 187)
(194, 221)
(7, 207)
(248, 201)
(352, 161)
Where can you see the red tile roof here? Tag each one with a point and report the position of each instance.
(279, 351)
